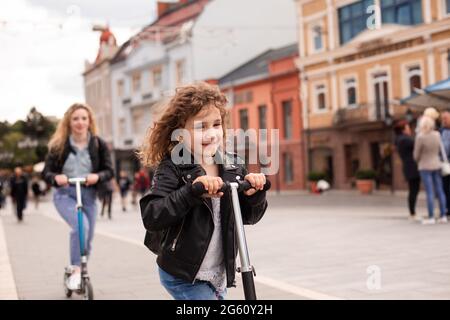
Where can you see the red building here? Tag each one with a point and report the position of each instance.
(264, 94)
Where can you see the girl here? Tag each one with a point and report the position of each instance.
(75, 151)
(194, 237)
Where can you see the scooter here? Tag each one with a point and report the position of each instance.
(246, 269)
(85, 286)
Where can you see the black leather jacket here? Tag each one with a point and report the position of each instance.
(100, 158)
(186, 221)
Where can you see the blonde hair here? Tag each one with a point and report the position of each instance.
(59, 138)
(432, 113)
(187, 102)
(426, 124)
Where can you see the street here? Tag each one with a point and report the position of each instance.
(339, 245)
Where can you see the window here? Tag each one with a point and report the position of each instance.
(288, 168)
(180, 70)
(320, 98)
(122, 125)
(380, 82)
(136, 82)
(414, 78)
(350, 90)
(262, 116)
(120, 88)
(405, 12)
(157, 77)
(287, 119)
(317, 38)
(448, 61)
(353, 19)
(243, 97)
(243, 119)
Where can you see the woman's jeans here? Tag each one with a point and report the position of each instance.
(184, 290)
(432, 181)
(65, 200)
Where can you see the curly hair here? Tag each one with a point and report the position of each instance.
(187, 102)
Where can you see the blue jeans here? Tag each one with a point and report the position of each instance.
(65, 200)
(432, 181)
(184, 290)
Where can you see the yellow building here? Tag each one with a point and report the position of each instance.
(357, 59)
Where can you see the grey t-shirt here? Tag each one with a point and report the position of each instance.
(78, 164)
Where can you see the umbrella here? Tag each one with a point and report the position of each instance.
(436, 95)
(39, 167)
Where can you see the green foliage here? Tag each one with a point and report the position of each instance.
(316, 176)
(367, 174)
(36, 129)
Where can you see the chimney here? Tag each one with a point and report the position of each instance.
(163, 6)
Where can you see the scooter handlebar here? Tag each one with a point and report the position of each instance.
(198, 188)
(75, 180)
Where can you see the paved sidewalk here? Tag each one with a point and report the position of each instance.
(8, 289)
(120, 267)
(337, 245)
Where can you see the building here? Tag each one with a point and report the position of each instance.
(356, 63)
(264, 94)
(191, 40)
(143, 71)
(97, 83)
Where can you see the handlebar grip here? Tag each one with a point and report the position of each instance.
(198, 188)
(245, 185)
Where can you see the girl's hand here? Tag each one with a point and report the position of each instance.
(61, 180)
(91, 179)
(257, 180)
(212, 185)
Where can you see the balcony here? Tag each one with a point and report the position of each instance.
(348, 116)
(126, 102)
(366, 114)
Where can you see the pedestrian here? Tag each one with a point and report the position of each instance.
(124, 186)
(19, 191)
(405, 147)
(75, 151)
(36, 189)
(2, 192)
(445, 136)
(142, 182)
(427, 148)
(105, 195)
(194, 236)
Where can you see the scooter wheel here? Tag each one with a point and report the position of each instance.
(67, 291)
(88, 291)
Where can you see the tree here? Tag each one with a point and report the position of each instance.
(25, 140)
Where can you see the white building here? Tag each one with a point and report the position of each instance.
(190, 41)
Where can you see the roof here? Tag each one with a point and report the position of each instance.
(259, 65)
(166, 27)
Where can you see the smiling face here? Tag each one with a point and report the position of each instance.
(206, 133)
(79, 122)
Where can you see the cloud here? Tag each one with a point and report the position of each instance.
(44, 48)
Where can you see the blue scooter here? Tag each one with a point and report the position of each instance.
(85, 288)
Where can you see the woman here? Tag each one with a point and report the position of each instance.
(405, 146)
(427, 148)
(76, 151)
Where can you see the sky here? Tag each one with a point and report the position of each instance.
(44, 44)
